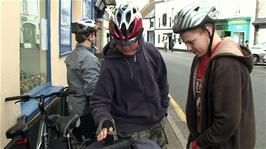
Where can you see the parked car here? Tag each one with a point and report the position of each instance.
(264, 59)
(258, 51)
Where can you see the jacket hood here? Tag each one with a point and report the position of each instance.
(228, 47)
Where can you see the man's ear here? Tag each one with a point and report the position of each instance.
(209, 29)
(89, 37)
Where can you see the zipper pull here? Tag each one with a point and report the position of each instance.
(135, 58)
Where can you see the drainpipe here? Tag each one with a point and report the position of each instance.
(99, 37)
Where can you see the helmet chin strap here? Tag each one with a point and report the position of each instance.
(211, 39)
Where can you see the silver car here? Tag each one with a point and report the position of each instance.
(258, 52)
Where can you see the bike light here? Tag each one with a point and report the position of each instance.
(22, 141)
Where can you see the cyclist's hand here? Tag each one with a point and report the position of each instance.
(107, 127)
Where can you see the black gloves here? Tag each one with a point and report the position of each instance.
(107, 124)
(110, 136)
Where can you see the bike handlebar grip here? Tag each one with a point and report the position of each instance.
(71, 92)
(17, 97)
(67, 92)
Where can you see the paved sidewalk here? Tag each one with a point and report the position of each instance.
(173, 134)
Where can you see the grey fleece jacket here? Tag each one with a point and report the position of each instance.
(83, 69)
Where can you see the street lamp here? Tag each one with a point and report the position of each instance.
(102, 4)
(110, 2)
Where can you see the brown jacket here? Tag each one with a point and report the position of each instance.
(227, 110)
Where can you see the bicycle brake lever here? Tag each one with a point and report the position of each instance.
(17, 101)
(24, 100)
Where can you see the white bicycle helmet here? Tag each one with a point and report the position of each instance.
(84, 26)
(125, 25)
(193, 16)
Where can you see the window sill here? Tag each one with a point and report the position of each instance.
(31, 109)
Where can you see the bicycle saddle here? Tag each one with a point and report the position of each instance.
(19, 129)
(63, 124)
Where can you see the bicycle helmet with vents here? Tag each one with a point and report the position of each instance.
(125, 25)
(84, 26)
(193, 16)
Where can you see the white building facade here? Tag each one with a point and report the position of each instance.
(236, 16)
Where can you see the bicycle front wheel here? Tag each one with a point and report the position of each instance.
(42, 140)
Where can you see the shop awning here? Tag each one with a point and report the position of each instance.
(260, 21)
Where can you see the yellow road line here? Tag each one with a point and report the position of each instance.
(177, 109)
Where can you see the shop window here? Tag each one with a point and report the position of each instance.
(33, 45)
(88, 10)
(65, 38)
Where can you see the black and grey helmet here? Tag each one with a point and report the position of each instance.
(84, 26)
(193, 16)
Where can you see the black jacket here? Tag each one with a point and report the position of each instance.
(133, 90)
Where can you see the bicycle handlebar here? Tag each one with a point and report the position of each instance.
(65, 91)
(17, 97)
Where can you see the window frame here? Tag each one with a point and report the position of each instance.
(87, 9)
(30, 108)
(164, 19)
(64, 49)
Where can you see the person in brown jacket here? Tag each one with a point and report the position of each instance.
(220, 109)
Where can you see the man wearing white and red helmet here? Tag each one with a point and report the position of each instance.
(131, 94)
(220, 109)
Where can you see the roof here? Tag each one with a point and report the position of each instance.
(148, 8)
(150, 15)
